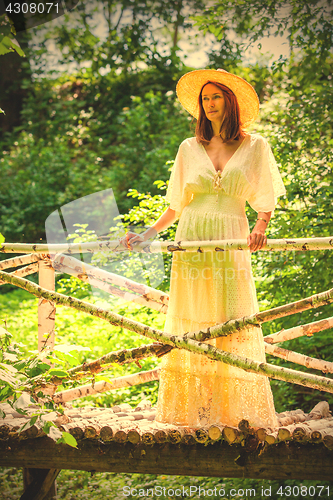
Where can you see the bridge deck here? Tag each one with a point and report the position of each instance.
(122, 439)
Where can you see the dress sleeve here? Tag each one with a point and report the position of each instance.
(266, 181)
(178, 195)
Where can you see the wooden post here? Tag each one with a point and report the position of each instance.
(46, 308)
(39, 484)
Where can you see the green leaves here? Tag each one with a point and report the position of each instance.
(17, 385)
(7, 376)
(8, 372)
(8, 44)
(57, 159)
(7, 40)
(67, 354)
(68, 439)
(306, 25)
(55, 372)
(21, 376)
(52, 430)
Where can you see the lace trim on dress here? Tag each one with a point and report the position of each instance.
(217, 181)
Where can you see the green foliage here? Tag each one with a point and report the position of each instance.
(306, 25)
(98, 127)
(67, 438)
(150, 132)
(99, 486)
(66, 152)
(150, 208)
(133, 34)
(19, 384)
(76, 328)
(75, 343)
(8, 42)
(115, 486)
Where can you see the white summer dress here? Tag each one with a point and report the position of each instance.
(212, 287)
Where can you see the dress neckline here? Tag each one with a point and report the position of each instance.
(220, 172)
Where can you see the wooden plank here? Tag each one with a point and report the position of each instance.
(279, 461)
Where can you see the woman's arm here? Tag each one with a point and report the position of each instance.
(257, 239)
(167, 219)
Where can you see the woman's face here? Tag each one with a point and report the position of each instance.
(213, 103)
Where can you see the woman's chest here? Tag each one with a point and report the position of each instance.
(202, 176)
(220, 154)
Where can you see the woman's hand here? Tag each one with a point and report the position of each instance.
(131, 238)
(167, 218)
(256, 240)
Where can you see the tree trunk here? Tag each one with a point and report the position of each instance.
(13, 70)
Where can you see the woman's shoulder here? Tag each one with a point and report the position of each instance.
(189, 142)
(257, 140)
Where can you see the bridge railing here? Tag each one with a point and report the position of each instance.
(49, 259)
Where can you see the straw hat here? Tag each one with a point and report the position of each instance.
(189, 86)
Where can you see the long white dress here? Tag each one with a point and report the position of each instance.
(212, 287)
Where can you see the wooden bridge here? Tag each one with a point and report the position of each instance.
(122, 439)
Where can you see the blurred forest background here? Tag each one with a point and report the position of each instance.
(92, 106)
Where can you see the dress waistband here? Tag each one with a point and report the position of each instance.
(218, 202)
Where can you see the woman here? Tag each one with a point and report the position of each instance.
(214, 174)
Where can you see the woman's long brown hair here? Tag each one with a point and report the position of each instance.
(231, 126)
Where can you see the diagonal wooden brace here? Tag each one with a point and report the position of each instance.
(39, 484)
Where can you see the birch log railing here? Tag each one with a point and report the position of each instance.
(38, 257)
(42, 465)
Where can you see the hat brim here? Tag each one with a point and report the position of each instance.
(189, 87)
